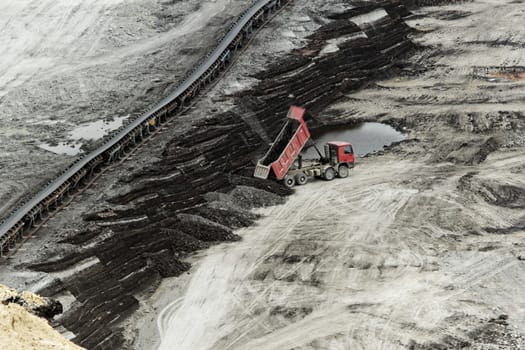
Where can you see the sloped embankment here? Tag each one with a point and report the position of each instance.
(202, 186)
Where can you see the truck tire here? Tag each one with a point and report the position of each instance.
(343, 171)
(301, 179)
(329, 174)
(289, 181)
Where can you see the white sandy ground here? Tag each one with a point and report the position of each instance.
(44, 38)
(40, 35)
(376, 261)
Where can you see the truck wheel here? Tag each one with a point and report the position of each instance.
(329, 174)
(343, 171)
(301, 179)
(289, 181)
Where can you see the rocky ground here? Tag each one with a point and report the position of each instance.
(421, 248)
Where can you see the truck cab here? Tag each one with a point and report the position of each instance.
(339, 152)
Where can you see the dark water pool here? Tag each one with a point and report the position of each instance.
(366, 138)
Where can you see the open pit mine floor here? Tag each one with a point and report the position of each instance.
(364, 262)
(422, 247)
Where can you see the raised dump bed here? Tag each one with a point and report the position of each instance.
(286, 147)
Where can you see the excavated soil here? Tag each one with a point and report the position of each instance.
(421, 248)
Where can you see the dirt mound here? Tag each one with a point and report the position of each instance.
(494, 333)
(437, 2)
(503, 195)
(22, 331)
(21, 325)
(256, 197)
(469, 152)
(35, 304)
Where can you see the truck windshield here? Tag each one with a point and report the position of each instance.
(348, 150)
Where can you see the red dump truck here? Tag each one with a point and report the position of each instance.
(283, 161)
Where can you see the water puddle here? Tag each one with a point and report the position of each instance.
(366, 138)
(90, 131)
(96, 130)
(70, 149)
